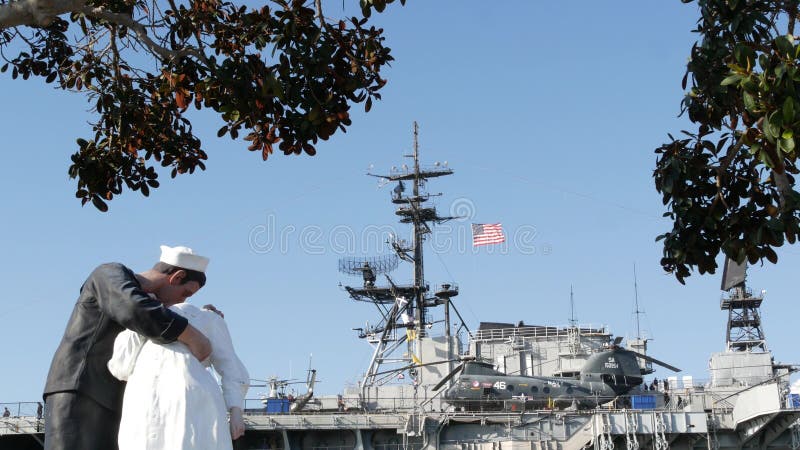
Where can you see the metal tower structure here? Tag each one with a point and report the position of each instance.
(639, 343)
(404, 308)
(744, 332)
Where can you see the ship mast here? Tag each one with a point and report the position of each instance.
(403, 307)
(419, 235)
(636, 310)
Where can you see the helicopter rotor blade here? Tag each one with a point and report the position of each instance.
(448, 377)
(655, 361)
(414, 366)
(617, 340)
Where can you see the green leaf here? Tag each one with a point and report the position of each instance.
(787, 145)
(749, 102)
(750, 85)
(744, 56)
(779, 71)
(784, 45)
(770, 131)
(788, 110)
(772, 127)
(731, 79)
(776, 120)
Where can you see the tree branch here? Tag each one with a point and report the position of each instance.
(318, 4)
(35, 13)
(731, 153)
(791, 12)
(164, 53)
(783, 185)
(40, 13)
(139, 29)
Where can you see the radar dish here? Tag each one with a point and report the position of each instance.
(378, 265)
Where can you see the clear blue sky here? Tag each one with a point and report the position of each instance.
(547, 111)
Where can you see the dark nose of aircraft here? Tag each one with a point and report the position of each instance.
(448, 394)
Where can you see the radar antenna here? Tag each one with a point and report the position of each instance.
(368, 268)
(636, 311)
(573, 322)
(639, 344)
(573, 331)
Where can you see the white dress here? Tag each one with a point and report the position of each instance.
(172, 401)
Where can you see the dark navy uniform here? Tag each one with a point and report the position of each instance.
(83, 401)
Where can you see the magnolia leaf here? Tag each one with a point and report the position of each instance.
(731, 79)
(788, 110)
(99, 203)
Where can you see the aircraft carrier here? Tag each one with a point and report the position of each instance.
(417, 393)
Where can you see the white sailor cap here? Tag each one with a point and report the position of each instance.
(184, 258)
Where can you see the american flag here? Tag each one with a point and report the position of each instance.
(487, 233)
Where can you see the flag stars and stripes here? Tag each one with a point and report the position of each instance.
(487, 233)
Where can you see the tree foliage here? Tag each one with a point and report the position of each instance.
(280, 76)
(730, 182)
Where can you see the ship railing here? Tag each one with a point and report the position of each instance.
(531, 331)
(688, 384)
(640, 400)
(23, 417)
(350, 405)
(694, 397)
(21, 409)
(736, 293)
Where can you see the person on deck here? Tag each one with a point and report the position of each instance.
(83, 401)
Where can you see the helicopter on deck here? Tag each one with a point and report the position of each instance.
(278, 400)
(605, 376)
